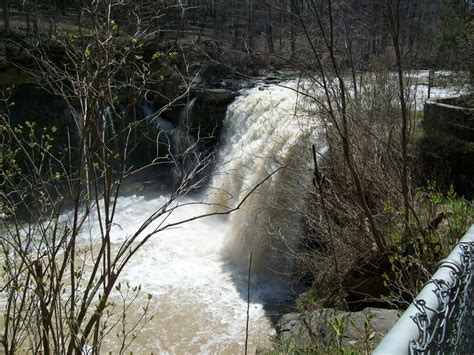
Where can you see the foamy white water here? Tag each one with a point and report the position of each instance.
(266, 131)
(197, 272)
(199, 300)
(419, 86)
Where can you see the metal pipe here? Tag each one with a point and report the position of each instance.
(397, 340)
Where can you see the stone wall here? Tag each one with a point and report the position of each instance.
(450, 116)
(448, 146)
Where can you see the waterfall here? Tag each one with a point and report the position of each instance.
(265, 130)
(182, 145)
(197, 271)
(187, 112)
(110, 120)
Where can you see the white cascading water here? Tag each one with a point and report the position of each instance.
(177, 137)
(267, 139)
(197, 272)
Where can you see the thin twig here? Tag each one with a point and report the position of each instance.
(248, 304)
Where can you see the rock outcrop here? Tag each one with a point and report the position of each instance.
(215, 96)
(316, 327)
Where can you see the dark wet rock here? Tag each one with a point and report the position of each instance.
(215, 96)
(289, 321)
(273, 80)
(205, 120)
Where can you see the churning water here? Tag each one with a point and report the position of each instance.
(197, 272)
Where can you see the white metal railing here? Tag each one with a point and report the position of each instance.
(441, 318)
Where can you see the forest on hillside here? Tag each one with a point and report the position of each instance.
(265, 32)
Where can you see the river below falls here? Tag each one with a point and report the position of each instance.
(199, 302)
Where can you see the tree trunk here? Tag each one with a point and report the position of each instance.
(6, 18)
(269, 32)
(35, 19)
(292, 29)
(251, 29)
